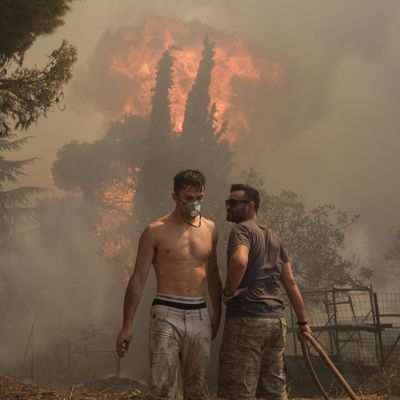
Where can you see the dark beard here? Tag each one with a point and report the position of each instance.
(237, 219)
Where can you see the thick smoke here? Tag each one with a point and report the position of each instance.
(54, 282)
(329, 133)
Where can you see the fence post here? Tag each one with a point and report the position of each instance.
(379, 328)
(373, 312)
(336, 336)
(328, 313)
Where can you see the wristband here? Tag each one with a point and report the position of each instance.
(302, 323)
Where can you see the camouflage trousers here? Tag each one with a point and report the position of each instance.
(179, 344)
(251, 359)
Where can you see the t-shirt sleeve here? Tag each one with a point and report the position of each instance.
(283, 253)
(239, 235)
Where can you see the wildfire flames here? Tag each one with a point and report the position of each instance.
(235, 65)
(132, 58)
(116, 201)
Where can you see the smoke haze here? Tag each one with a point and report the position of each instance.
(330, 132)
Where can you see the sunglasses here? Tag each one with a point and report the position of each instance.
(233, 202)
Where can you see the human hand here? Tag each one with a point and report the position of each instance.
(236, 293)
(300, 332)
(215, 322)
(123, 340)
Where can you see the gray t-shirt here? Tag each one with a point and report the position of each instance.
(262, 277)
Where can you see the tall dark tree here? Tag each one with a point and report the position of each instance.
(154, 186)
(196, 124)
(201, 144)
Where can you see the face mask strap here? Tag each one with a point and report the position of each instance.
(194, 226)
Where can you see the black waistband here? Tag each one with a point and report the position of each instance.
(182, 306)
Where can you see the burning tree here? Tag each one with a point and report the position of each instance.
(106, 173)
(315, 238)
(157, 166)
(126, 58)
(153, 165)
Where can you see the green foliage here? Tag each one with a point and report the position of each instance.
(22, 21)
(28, 93)
(315, 239)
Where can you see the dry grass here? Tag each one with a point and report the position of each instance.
(106, 389)
(380, 387)
(385, 383)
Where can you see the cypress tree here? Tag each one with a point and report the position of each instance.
(154, 186)
(201, 145)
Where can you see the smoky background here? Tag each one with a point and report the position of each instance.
(329, 132)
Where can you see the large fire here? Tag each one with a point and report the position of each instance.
(132, 58)
(235, 66)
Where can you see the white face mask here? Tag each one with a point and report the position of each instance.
(191, 209)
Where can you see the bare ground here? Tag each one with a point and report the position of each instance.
(106, 389)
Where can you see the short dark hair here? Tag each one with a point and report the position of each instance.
(251, 194)
(189, 178)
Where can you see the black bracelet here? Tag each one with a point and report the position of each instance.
(302, 323)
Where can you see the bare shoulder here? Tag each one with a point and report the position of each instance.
(209, 224)
(155, 228)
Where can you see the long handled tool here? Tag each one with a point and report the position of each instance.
(328, 362)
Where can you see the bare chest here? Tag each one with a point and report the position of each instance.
(185, 245)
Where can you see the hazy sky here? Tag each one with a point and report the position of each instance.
(330, 133)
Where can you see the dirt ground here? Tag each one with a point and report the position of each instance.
(105, 389)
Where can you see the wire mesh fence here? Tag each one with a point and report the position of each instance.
(356, 325)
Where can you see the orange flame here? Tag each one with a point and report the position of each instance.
(134, 59)
(137, 59)
(117, 200)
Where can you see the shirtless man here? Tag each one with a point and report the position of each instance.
(182, 248)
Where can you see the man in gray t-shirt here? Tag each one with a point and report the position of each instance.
(251, 356)
(263, 297)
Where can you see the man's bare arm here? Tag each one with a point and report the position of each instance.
(294, 296)
(134, 290)
(237, 265)
(214, 283)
